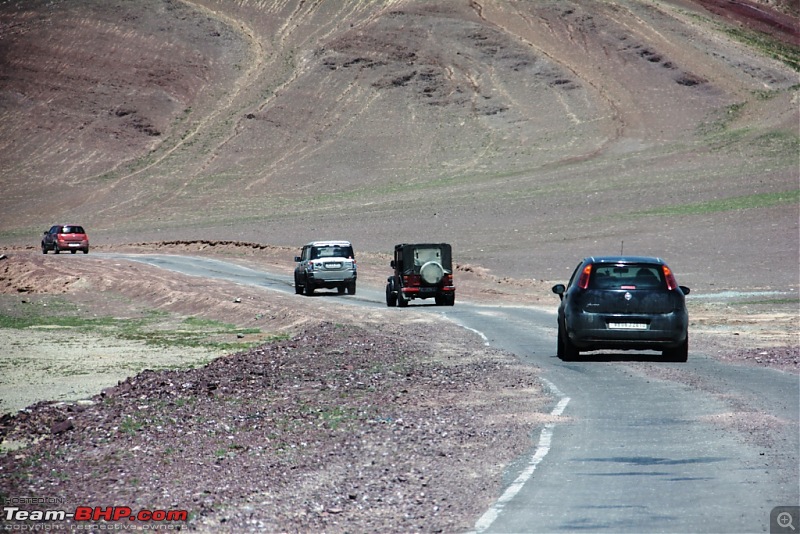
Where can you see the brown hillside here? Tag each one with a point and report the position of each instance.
(525, 133)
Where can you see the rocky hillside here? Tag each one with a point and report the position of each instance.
(525, 133)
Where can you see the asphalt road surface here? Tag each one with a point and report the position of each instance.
(634, 453)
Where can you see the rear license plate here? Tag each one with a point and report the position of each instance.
(627, 326)
(333, 265)
(74, 244)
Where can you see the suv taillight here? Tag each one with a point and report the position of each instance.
(411, 280)
(448, 280)
(670, 278)
(583, 281)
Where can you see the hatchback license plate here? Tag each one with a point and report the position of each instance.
(627, 326)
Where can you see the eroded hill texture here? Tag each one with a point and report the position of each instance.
(525, 133)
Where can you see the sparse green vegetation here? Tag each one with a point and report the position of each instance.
(154, 328)
(761, 200)
(783, 52)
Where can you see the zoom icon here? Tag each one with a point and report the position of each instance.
(784, 519)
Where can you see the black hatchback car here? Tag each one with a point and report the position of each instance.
(623, 302)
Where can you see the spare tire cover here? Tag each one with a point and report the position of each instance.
(431, 273)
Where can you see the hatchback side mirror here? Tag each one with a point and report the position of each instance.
(559, 290)
(685, 290)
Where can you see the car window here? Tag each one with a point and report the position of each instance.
(574, 275)
(424, 255)
(626, 277)
(72, 230)
(331, 252)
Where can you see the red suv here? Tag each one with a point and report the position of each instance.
(65, 237)
(421, 271)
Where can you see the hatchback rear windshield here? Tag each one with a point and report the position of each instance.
(331, 252)
(632, 276)
(71, 230)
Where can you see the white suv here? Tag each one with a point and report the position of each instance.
(328, 264)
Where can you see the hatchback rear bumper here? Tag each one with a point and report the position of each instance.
(590, 331)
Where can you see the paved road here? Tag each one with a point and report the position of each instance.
(637, 453)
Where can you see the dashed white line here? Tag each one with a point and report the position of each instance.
(542, 448)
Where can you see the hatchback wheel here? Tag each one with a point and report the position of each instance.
(678, 354)
(566, 350)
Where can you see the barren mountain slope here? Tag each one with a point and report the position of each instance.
(526, 134)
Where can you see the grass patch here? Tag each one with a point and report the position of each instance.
(153, 328)
(759, 200)
(786, 53)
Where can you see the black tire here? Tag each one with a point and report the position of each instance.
(44, 249)
(402, 302)
(298, 289)
(73, 251)
(391, 297)
(678, 354)
(309, 289)
(450, 300)
(441, 300)
(565, 349)
(86, 250)
(340, 290)
(56, 250)
(351, 288)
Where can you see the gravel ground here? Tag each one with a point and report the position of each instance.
(341, 429)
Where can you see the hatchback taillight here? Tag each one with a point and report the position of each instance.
(670, 278)
(583, 281)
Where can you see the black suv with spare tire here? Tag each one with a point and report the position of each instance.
(421, 271)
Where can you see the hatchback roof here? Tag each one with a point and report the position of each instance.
(624, 259)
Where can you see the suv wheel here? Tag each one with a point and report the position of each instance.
(391, 297)
(402, 301)
(351, 288)
(309, 289)
(298, 289)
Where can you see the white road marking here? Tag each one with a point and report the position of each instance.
(481, 334)
(542, 448)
